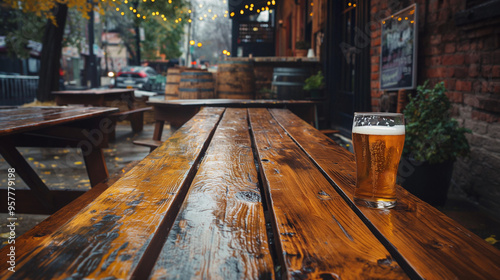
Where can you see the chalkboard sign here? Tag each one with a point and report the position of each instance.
(399, 50)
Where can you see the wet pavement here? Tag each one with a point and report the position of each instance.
(65, 169)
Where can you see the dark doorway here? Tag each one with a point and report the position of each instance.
(348, 61)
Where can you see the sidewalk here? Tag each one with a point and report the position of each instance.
(60, 173)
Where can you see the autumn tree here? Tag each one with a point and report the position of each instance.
(163, 27)
(56, 11)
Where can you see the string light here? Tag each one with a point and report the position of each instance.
(213, 14)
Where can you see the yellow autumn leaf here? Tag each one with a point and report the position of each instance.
(78, 163)
(492, 239)
(56, 157)
(42, 165)
(5, 235)
(53, 165)
(31, 159)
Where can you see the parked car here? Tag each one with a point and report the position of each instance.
(135, 77)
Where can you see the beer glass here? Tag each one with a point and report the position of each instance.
(378, 140)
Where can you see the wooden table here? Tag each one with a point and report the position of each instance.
(95, 97)
(81, 127)
(178, 112)
(251, 194)
(106, 97)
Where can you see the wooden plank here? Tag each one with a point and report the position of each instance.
(30, 118)
(435, 246)
(32, 238)
(317, 234)
(120, 234)
(94, 91)
(220, 232)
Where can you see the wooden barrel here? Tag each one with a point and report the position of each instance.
(172, 85)
(235, 80)
(196, 85)
(288, 83)
(263, 81)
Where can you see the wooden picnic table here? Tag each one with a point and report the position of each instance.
(250, 193)
(95, 97)
(107, 97)
(81, 127)
(177, 112)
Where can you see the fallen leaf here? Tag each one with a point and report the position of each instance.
(492, 239)
(5, 235)
(78, 163)
(31, 159)
(56, 157)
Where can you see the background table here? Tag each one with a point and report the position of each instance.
(252, 193)
(82, 127)
(107, 97)
(178, 112)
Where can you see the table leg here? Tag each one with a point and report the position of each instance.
(29, 176)
(96, 165)
(158, 130)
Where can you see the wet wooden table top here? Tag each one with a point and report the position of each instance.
(95, 97)
(254, 193)
(96, 91)
(231, 102)
(178, 111)
(24, 119)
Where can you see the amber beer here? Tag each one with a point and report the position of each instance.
(377, 147)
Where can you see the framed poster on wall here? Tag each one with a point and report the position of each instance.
(398, 54)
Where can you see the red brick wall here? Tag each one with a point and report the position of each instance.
(467, 59)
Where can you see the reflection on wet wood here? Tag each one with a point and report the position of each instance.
(318, 235)
(193, 209)
(122, 229)
(435, 246)
(30, 118)
(220, 230)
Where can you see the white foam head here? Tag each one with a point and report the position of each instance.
(380, 130)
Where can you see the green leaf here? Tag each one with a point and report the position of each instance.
(431, 134)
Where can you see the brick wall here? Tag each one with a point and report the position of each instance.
(467, 59)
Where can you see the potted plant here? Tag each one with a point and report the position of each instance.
(433, 142)
(301, 48)
(315, 84)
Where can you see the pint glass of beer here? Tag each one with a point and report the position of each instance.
(378, 140)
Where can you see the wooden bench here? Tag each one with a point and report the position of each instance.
(252, 193)
(135, 116)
